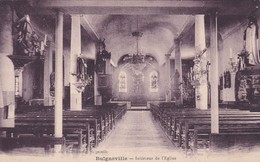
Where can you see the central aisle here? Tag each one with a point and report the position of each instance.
(137, 133)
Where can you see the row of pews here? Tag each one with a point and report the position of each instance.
(81, 129)
(190, 128)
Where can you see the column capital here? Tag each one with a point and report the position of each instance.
(59, 16)
(76, 15)
(18, 71)
(200, 15)
(59, 12)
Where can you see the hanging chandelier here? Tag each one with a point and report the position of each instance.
(138, 57)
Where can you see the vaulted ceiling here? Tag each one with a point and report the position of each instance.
(158, 31)
(160, 21)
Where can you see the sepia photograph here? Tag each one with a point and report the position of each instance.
(129, 80)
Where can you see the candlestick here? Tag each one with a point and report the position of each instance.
(45, 39)
(230, 53)
(42, 46)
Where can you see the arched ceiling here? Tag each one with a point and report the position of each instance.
(158, 31)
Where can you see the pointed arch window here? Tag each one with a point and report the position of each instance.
(122, 81)
(16, 81)
(154, 86)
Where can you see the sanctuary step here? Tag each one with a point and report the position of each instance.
(138, 108)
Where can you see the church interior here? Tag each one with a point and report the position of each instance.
(163, 75)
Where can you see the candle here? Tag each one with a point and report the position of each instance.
(230, 53)
(42, 46)
(45, 39)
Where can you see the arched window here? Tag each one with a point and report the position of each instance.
(16, 82)
(154, 86)
(122, 82)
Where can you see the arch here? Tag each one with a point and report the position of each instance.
(149, 58)
(121, 60)
(154, 81)
(122, 82)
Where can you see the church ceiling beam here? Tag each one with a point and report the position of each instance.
(186, 27)
(89, 28)
(184, 30)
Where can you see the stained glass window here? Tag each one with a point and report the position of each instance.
(122, 82)
(17, 85)
(154, 86)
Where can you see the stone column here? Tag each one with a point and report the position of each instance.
(6, 40)
(7, 87)
(108, 67)
(58, 75)
(67, 74)
(201, 90)
(1, 95)
(47, 72)
(97, 95)
(168, 87)
(214, 74)
(178, 67)
(75, 51)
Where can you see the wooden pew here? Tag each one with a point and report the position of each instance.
(118, 110)
(191, 131)
(175, 117)
(7, 144)
(168, 116)
(76, 116)
(197, 138)
(84, 128)
(87, 127)
(175, 122)
(223, 142)
(231, 121)
(106, 114)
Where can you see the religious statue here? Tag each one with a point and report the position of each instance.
(102, 56)
(27, 42)
(199, 71)
(250, 54)
(83, 79)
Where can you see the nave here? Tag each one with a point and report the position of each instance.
(137, 133)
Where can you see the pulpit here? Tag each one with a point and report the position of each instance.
(105, 86)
